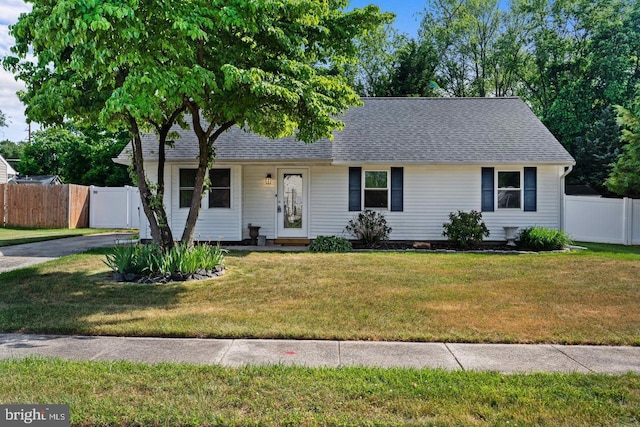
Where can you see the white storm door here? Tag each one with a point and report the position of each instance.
(293, 203)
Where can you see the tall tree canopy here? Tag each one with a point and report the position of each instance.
(79, 155)
(625, 176)
(143, 65)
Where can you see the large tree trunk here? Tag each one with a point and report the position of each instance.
(152, 202)
(206, 139)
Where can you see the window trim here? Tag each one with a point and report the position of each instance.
(365, 189)
(211, 188)
(520, 171)
(181, 188)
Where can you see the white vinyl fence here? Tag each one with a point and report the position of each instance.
(114, 207)
(594, 219)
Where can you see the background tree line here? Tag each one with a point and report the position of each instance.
(78, 155)
(575, 62)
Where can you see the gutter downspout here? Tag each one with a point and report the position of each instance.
(563, 197)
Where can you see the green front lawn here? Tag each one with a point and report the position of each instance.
(128, 394)
(583, 297)
(16, 236)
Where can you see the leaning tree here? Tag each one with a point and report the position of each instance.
(269, 66)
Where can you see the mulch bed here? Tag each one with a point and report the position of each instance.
(176, 277)
(442, 246)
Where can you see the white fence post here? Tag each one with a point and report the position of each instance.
(627, 220)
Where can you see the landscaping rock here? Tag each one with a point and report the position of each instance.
(200, 274)
(421, 245)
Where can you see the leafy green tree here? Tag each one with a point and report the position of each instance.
(581, 59)
(597, 152)
(264, 65)
(376, 59)
(463, 34)
(414, 73)
(10, 149)
(3, 120)
(625, 177)
(78, 156)
(42, 156)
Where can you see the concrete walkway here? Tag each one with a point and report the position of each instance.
(239, 352)
(28, 254)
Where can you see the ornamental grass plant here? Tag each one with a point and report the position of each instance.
(140, 260)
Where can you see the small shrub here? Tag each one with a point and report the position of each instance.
(330, 244)
(369, 227)
(122, 259)
(465, 229)
(149, 261)
(543, 239)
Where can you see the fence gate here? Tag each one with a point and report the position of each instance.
(114, 207)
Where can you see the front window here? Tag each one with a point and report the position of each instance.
(187, 185)
(509, 190)
(220, 192)
(376, 190)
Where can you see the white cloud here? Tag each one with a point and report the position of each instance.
(10, 10)
(10, 105)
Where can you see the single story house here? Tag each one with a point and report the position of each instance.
(6, 171)
(413, 159)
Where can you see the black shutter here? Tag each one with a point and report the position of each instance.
(487, 190)
(355, 186)
(530, 190)
(397, 184)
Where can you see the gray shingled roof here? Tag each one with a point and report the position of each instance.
(402, 131)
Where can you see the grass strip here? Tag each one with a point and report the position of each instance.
(130, 394)
(576, 298)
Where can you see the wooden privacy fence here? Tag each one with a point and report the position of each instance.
(44, 206)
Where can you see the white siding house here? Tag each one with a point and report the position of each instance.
(6, 171)
(414, 159)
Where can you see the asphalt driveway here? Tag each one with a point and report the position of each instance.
(28, 254)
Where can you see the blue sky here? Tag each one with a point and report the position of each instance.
(408, 12)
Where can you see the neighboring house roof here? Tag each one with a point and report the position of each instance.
(581, 190)
(38, 179)
(399, 131)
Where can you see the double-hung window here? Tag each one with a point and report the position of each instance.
(220, 190)
(509, 190)
(376, 190)
(187, 185)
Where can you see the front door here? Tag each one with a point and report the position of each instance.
(293, 202)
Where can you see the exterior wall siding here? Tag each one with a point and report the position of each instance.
(214, 224)
(3, 173)
(430, 194)
(259, 200)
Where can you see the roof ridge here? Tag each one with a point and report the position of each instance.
(433, 98)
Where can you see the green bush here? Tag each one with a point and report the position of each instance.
(330, 244)
(149, 261)
(369, 227)
(543, 239)
(465, 229)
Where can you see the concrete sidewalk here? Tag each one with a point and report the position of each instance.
(238, 352)
(28, 254)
